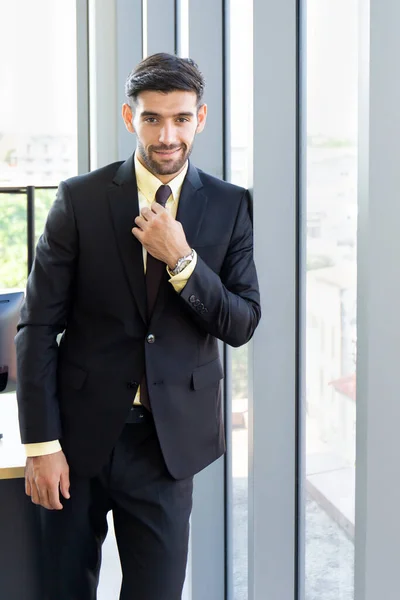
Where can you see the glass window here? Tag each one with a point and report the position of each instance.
(38, 133)
(330, 407)
(14, 234)
(240, 168)
(38, 119)
(38, 103)
(13, 241)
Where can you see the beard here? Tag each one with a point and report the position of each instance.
(164, 166)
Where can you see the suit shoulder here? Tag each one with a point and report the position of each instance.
(101, 176)
(221, 186)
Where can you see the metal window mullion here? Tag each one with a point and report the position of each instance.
(182, 28)
(229, 521)
(82, 66)
(229, 489)
(300, 559)
(30, 225)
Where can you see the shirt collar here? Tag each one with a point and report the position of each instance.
(148, 183)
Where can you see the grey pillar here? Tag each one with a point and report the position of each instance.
(378, 406)
(206, 36)
(273, 406)
(129, 53)
(103, 82)
(206, 44)
(160, 26)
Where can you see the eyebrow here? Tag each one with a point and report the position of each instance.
(149, 113)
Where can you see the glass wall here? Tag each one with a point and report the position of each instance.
(38, 119)
(240, 171)
(38, 106)
(38, 137)
(14, 233)
(13, 241)
(330, 400)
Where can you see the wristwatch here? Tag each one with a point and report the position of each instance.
(182, 263)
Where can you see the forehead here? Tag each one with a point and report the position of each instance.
(167, 104)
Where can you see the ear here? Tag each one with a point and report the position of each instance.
(201, 118)
(128, 117)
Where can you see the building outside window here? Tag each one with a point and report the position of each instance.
(331, 82)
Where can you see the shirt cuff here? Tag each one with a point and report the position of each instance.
(179, 281)
(42, 448)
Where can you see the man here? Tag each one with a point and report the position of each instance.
(143, 265)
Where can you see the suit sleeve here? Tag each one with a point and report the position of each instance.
(43, 316)
(227, 305)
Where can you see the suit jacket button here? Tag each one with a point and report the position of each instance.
(192, 299)
(151, 338)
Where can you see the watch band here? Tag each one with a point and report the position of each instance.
(182, 263)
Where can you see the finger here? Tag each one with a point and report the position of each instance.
(27, 486)
(138, 233)
(53, 496)
(141, 222)
(35, 494)
(64, 485)
(146, 213)
(44, 498)
(157, 208)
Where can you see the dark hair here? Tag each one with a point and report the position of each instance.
(165, 73)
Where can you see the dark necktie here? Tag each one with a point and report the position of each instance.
(155, 268)
(154, 272)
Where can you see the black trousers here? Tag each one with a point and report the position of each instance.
(151, 513)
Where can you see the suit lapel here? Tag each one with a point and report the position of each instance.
(191, 211)
(192, 205)
(124, 206)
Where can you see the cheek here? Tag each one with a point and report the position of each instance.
(146, 137)
(189, 135)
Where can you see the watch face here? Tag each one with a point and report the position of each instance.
(182, 264)
(180, 267)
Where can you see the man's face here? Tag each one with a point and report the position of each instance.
(165, 126)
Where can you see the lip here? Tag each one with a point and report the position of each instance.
(167, 153)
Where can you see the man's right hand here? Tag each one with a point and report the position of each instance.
(45, 477)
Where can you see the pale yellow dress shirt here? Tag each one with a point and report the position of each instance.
(147, 185)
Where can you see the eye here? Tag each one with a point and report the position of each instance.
(182, 120)
(150, 120)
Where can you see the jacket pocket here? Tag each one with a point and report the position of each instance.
(207, 374)
(72, 376)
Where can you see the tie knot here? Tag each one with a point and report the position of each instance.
(162, 195)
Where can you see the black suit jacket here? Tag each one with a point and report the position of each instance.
(88, 282)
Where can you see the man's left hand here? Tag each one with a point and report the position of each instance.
(161, 235)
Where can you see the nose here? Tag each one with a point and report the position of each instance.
(167, 134)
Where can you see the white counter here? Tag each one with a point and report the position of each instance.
(12, 454)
